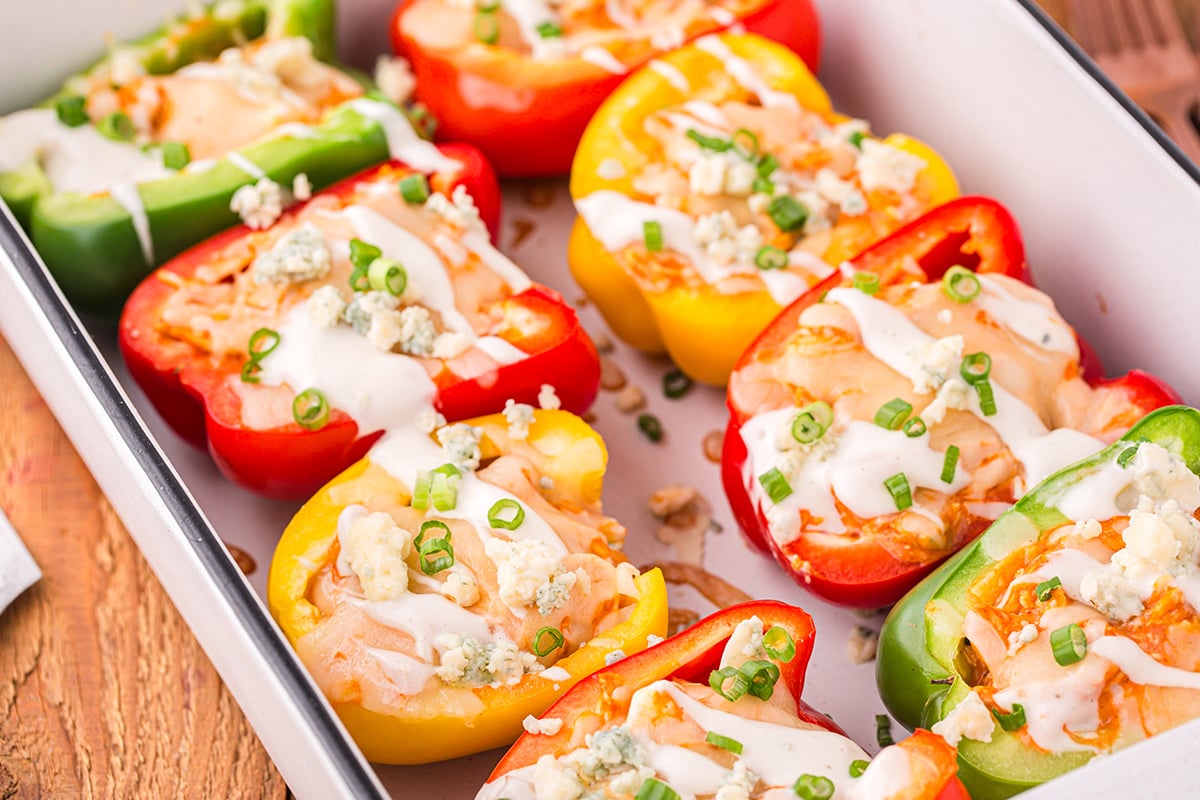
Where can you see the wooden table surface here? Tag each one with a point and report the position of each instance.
(103, 690)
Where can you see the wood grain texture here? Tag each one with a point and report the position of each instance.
(103, 690)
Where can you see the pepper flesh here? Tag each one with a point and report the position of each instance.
(702, 328)
(574, 458)
(917, 673)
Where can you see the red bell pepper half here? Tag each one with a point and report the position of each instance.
(856, 568)
(527, 114)
(692, 657)
(204, 399)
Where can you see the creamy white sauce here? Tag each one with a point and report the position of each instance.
(671, 74)
(479, 244)
(529, 14)
(1068, 701)
(745, 74)
(1095, 496)
(599, 56)
(425, 617)
(403, 142)
(689, 773)
(295, 130)
(127, 195)
(887, 776)
(1141, 667)
(501, 351)
(409, 675)
(1037, 322)
(245, 164)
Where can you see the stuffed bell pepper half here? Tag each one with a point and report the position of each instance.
(1071, 627)
(717, 185)
(520, 80)
(881, 423)
(439, 595)
(227, 113)
(715, 712)
(291, 349)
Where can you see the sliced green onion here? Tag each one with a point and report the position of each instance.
(436, 554)
(1069, 644)
(866, 282)
(262, 343)
(1126, 454)
(362, 254)
(175, 155)
(250, 371)
(897, 486)
(653, 235)
(891, 415)
(813, 787)
(975, 368)
(858, 766)
(543, 646)
(788, 213)
(487, 27)
(1044, 588)
(745, 144)
(775, 484)
(310, 409)
(449, 470)
(724, 742)
(812, 422)
(883, 730)
(71, 110)
(650, 427)
(444, 491)
(762, 185)
(960, 284)
(654, 789)
(549, 30)
(709, 142)
(739, 687)
(387, 275)
(422, 119)
(676, 384)
(778, 644)
(414, 188)
(949, 463)
(117, 126)
(770, 257)
(360, 280)
(488, 6)
(421, 491)
(987, 398)
(914, 427)
(856, 139)
(767, 164)
(506, 514)
(1012, 721)
(761, 677)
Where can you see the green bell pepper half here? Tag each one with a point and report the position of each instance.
(917, 672)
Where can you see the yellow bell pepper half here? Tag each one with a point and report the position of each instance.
(446, 723)
(702, 329)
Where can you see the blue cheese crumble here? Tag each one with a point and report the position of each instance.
(518, 416)
(529, 572)
(299, 255)
(465, 661)
(374, 549)
(461, 445)
(258, 204)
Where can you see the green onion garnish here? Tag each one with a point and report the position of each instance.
(767, 164)
(975, 368)
(788, 213)
(770, 257)
(421, 491)
(866, 282)
(1014, 720)
(310, 409)
(856, 139)
(436, 554)
(897, 486)
(883, 730)
(650, 427)
(960, 284)
(549, 30)
(914, 427)
(488, 6)
(387, 275)
(745, 144)
(812, 422)
(487, 27)
(676, 384)
(250, 371)
(718, 677)
(775, 484)
(813, 787)
(653, 235)
(362, 254)
(449, 470)
(262, 343)
(724, 742)
(891, 415)
(949, 463)
(175, 155)
(779, 644)
(987, 399)
(1126, 454)
(444, 491)
(858, 766)
(1045, 588)
(709, 142)
(762, 185)
(414, 188)
(1069, 644)
(360, 280)
(117, 126)
(654, 789)
(543, 646)
(71, 110)
(506, 514)
(761, 676)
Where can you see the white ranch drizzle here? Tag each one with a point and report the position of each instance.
(479, 244)
(425, 617)
(403, 142)
(127, 195)
(744, 73)
(409, 675)
(1068, 701)
(594, 54)
(1095, 497)
(529, 14)
(671, 74)
(1036, 322)
(245, 164)
(1140, 666)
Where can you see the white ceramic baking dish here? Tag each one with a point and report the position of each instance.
(1108, 207)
